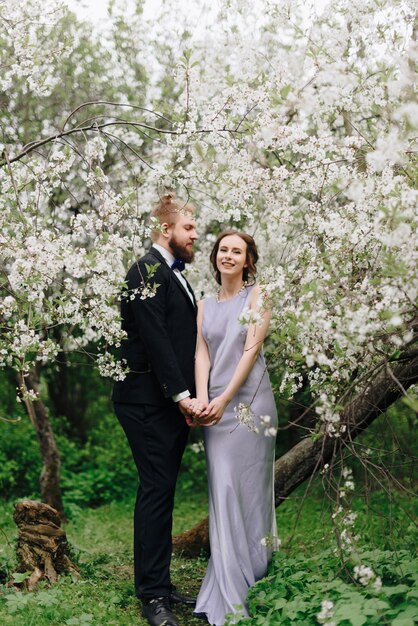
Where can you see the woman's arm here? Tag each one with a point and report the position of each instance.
(198, 405)
(202, 361)
(255, 336)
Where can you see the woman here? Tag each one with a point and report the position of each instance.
(230, 370)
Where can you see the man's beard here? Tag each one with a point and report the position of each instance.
(181, 252)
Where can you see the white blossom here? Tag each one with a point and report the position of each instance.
(271, 541)
(110, 367)
(326, 613)
(366, 576)
(304, 140)
(245, 415)
(250, 316)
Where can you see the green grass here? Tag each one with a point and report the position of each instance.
(102, 538)
(385, 520)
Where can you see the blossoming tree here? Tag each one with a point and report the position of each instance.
(298, 128)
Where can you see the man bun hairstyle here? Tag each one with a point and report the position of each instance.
(249, 272)
(169, 208)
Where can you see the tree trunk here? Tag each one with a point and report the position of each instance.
(51, 470)
(42, 547)
(311, 454)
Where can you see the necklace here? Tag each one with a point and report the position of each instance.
(240, 290)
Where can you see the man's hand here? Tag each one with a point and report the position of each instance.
(184, 406)
(191, 408)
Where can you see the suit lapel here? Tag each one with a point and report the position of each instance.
(188, 290)
(191, 292)
(159, 257)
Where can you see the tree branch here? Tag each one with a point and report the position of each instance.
(34, 145)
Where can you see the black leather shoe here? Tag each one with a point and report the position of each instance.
(201, 616)
(158, 612)
(179, 598)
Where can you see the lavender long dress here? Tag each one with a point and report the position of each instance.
(240, 469)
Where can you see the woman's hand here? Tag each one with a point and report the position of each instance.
(195, 408)
(214, 412)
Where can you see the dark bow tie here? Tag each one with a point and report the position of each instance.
(178, 264)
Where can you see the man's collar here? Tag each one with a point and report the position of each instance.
(168, 257)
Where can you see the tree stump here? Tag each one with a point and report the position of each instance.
(42, 546)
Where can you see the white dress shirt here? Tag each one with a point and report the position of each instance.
(169, 259)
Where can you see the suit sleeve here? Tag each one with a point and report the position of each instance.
(150, 320)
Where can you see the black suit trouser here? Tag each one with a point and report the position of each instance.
(157, 437)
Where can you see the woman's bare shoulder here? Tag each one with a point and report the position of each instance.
(255, 295)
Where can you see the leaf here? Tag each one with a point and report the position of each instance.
(199, 149)
(294, 607)
(45, 598)
(280, 603)
(379, 605)
(284, 91)
(407, 617)
(411, 402)
(20, 577)
(151, 269)
(83, 620)
(350, 611)
(16, 601)
(357, 619)
(397, 589)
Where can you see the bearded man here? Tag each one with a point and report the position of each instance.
(158, 312)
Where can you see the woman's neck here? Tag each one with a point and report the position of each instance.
(230, 286)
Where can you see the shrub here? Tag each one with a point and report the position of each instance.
(296, 586)
(100, 471)
(20, 463)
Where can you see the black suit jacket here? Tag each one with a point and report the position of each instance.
(161, 336)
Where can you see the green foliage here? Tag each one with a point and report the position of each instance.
(19, 577)
(76, 395)
(20, 463)
(99, 471)
(95, 471)
(103, 594)
(392, 446)
(56, 606)
(193, 475)
(301, 576)
(292, 593)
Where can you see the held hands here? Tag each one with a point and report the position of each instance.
(214, 411)
(192, 409)
(202, 414)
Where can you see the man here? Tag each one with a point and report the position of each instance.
(152, 401)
